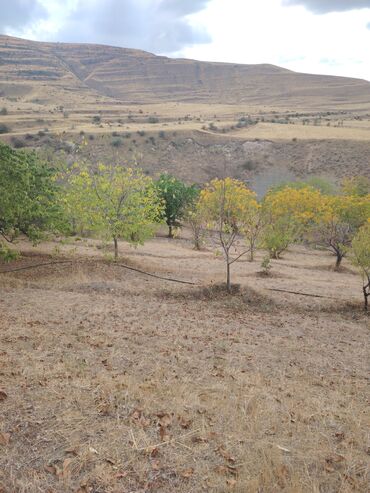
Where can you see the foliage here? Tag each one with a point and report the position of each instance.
(356, 185)
(195, 217)
(114, 201)
(321, 184)
(28, 198)
(339, 219)
(4, 129)
(288, 214)
(228, 205)
(266, 265)
(176, 196)
(7, 254)
(361, 257)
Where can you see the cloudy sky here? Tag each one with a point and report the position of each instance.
(315, 36)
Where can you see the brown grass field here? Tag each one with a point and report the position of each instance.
(112, 381)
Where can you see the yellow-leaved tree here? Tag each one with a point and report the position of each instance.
(288, 214)
(116, 202)
(227, 205)
(338, 221)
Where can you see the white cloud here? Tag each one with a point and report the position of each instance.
(267, 32)
(240, 31)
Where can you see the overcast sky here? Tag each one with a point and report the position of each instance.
(315, 36)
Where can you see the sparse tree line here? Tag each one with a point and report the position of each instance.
(122, 203)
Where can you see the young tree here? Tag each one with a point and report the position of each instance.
(28, 196)
(361, 257)
(227, 205)
(337, 223)
(115, 201)
(288, 214)
(176, 197)
(254, 227)
(195, 217)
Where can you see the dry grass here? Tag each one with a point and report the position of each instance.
(305, 132)
(116, 382)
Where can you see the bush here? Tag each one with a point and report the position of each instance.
(153, 119)
(249, 165)
(91, 137)
(117, 142)
(96, 119)
(6, 254)
(17, 142)
(4, 129)
(3, 111)
(162, 134)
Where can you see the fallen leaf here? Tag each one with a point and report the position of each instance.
(187, 473)
(50, 469)
(165, 419)
(198, 439)
(163, 433)
(184, 423)
(4, 438)
(231, 482)
(3, 395)
(225, 454)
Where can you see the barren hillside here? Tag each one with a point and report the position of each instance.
(138, 76)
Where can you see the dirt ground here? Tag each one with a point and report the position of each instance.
(112, 381)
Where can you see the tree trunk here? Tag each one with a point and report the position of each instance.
(251, 253)
(366, 295)
(170, 233)
(115, 248)
(338, 261)
(228, 280)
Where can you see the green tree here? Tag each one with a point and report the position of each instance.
(176, 196)
(114, 201)
(28, 196)
(361, 257)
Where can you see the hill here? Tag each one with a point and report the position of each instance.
(182, 115)
(137, 76)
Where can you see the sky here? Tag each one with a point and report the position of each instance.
(313, 36)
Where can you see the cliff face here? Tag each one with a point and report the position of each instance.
(137, 76)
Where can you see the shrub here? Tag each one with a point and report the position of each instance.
(4, 129)
(96, 119)
(17, 142)
(7, 254)
(117, 142)
(153, 119)
(3, 111)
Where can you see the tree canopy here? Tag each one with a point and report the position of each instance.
(116, 202)
(28, 195)
(176, 196)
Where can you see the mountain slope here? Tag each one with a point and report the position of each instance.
(135, 76)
